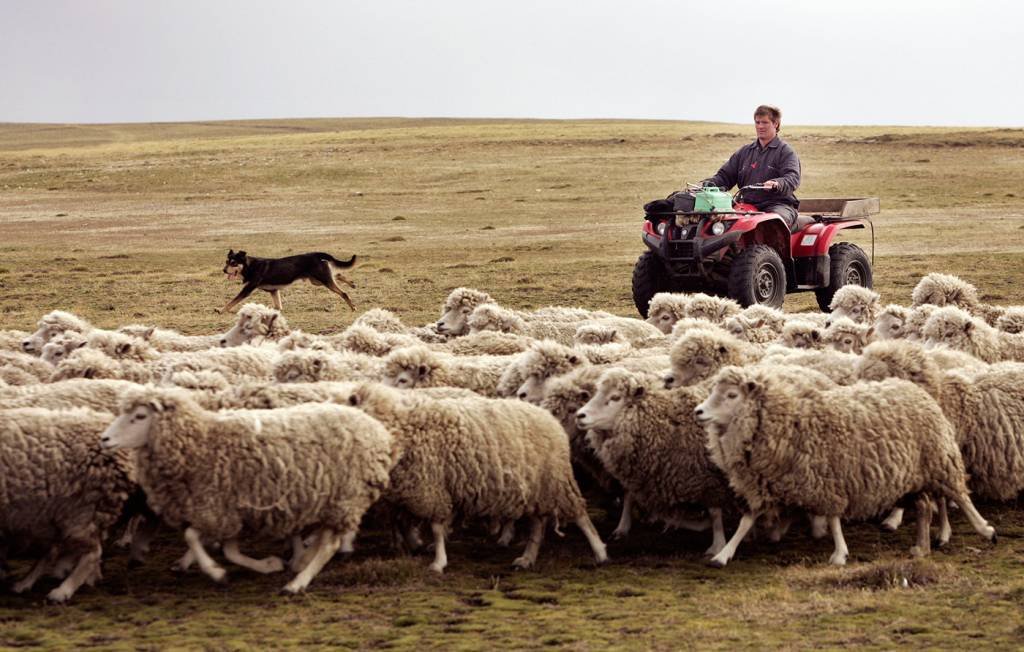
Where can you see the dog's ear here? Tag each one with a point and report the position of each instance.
(240, 254)
(231, 252)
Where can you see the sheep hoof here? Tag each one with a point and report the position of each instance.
(917, 552)
(291, 588)
(715, 562)
(837, 559)
(218, 575)
(886, 526)
(59, 595)
(437, 568)
(522, 563)
(619, 535)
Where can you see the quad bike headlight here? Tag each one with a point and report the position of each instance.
(661, 228)
(718, 228)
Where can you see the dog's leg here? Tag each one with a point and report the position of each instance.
(246, 291)
(324, 275)
(333, 287)
(276, 296)
(338, 275)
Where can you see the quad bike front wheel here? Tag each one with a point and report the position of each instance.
(848, 265)
(649, 278)
(758, 277)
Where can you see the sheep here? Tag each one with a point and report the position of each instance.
(632, 331)
(61, 345)
(847, 336)
(163, 339)
(648, 441)
(1012, 320)
(15, 375)
(492, 317)
(38, 369)
(300, 340)
(839, 367)
(895, 442)
(10, 340)
(802, 334)
(691, 323)
(87, 362)
(271, 473)
(60, 491)
(957, 329)
(985, 406)
(545, 360)
(715, 309)
(890, 323)
(597, 333)
(120, 346)
(363, 339)
(313, 366)
(914, 326)
(483, 458)
(758, 324)
(98, 395)
(488, 343)
(255, 324)
(244, 360)
(854, 302)
(50, 325)
(459, 304)
(418, 366)
(948, 290)
(665, 309)
(700, 353)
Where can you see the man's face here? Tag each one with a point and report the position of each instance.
(765, 128)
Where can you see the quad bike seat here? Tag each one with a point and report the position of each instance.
(801, 222)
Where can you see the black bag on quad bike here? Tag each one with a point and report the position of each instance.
(659, 209)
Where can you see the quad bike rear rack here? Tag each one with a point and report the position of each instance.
(841, 209)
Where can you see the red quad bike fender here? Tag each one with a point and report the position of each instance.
(816, 238)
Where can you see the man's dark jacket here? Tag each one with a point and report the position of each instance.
(753, 164)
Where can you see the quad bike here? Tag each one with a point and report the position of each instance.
(704, 240)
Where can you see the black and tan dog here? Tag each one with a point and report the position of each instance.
(272, 274)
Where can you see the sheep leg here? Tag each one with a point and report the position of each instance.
(347, 541)
(206, 563)
(440, 557)
(508, 532)
(184, 562)
(593, 538)
(26, 583)
(626, 519)
(144, 533)
(841, 552)
(87, 569)
(126, 538)
(62, 566)
(923, 547)
(299, 558)
(893, 520)
(725, 554)
(529, 556)
(265, 566)
(819, 526)
(979, 524)
(326, 545)
(945, 530)
(717, 532)
(413, 539)
(780, 529)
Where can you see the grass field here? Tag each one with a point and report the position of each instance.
(130, 223)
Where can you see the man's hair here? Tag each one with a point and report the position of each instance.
(774, 113)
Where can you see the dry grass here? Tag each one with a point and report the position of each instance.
(130, 223)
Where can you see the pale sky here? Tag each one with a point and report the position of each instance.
(912, 62)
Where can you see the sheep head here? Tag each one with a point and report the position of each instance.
(665, 309)
(855, 302)
(457, 308)
(847, 336)
(949, 326)
(714, 309)
(800, 334)
(540, 363)
(410, 367)
(944, 290)
(890, 324)
(698, 354)
(617, 389)
(900, 359)
(492, 317)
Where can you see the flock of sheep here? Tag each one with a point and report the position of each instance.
(701, 415)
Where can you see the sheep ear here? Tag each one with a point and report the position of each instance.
(122, 348)
(721, 348)
(815, 334)
(752, 386)
(870, 333)
(89, 372)
(422, 370)
(968, 327)
(573, 359)
(317, 364)
(81, 345)
(638, 391)
(354, 400)
(758, 324)
(148, 332)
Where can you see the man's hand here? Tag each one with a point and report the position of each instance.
(771, 185)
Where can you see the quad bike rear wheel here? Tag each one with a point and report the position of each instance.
(758, 277)
(849, 265)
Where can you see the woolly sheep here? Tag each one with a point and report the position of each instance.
(418, 366)
(698, 355)
(714, 309)
(300, 340)
(313, 366)
(30, 364)
(99, 395)
(492, 317)
(854, 302)
(648, 440)
(847, 336)
(890, 324)
(596, 333)
(948, 290)
(459, 304)
(1012, 320)
(61, 345)
(10, 340)
(271, 473)
(985, 406)
(120, 346)
(59, 491)
(957, 329)
(478, 458)
(542, 362)
(245, 360)
(488, 343)
(164, 339)
(52, 324)
(256, 324)
(802, 334)
(665, 309)
(758, 324)
(839, 367)
(92, 363)
(363, 339)
(633, 331)
(895, 442)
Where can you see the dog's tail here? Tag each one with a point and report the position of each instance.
(334, 261)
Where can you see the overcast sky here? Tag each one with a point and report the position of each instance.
(913, 62)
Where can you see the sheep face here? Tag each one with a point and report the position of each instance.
(661, 319)
(802, 336)
(252, 325)
(615, 392)
(297, 340)
(847, 337)
(122, 347)
(35, 342)
(951, 328)
(130, 429)
(724, 403)
(596, 334)
(856, 303)
(407, 377)
(690, 370)
(714, 309)
(891, 325)
(57, 348)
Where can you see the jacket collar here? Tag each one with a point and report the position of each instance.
(772, 144)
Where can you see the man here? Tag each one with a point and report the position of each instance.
(769, 161)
